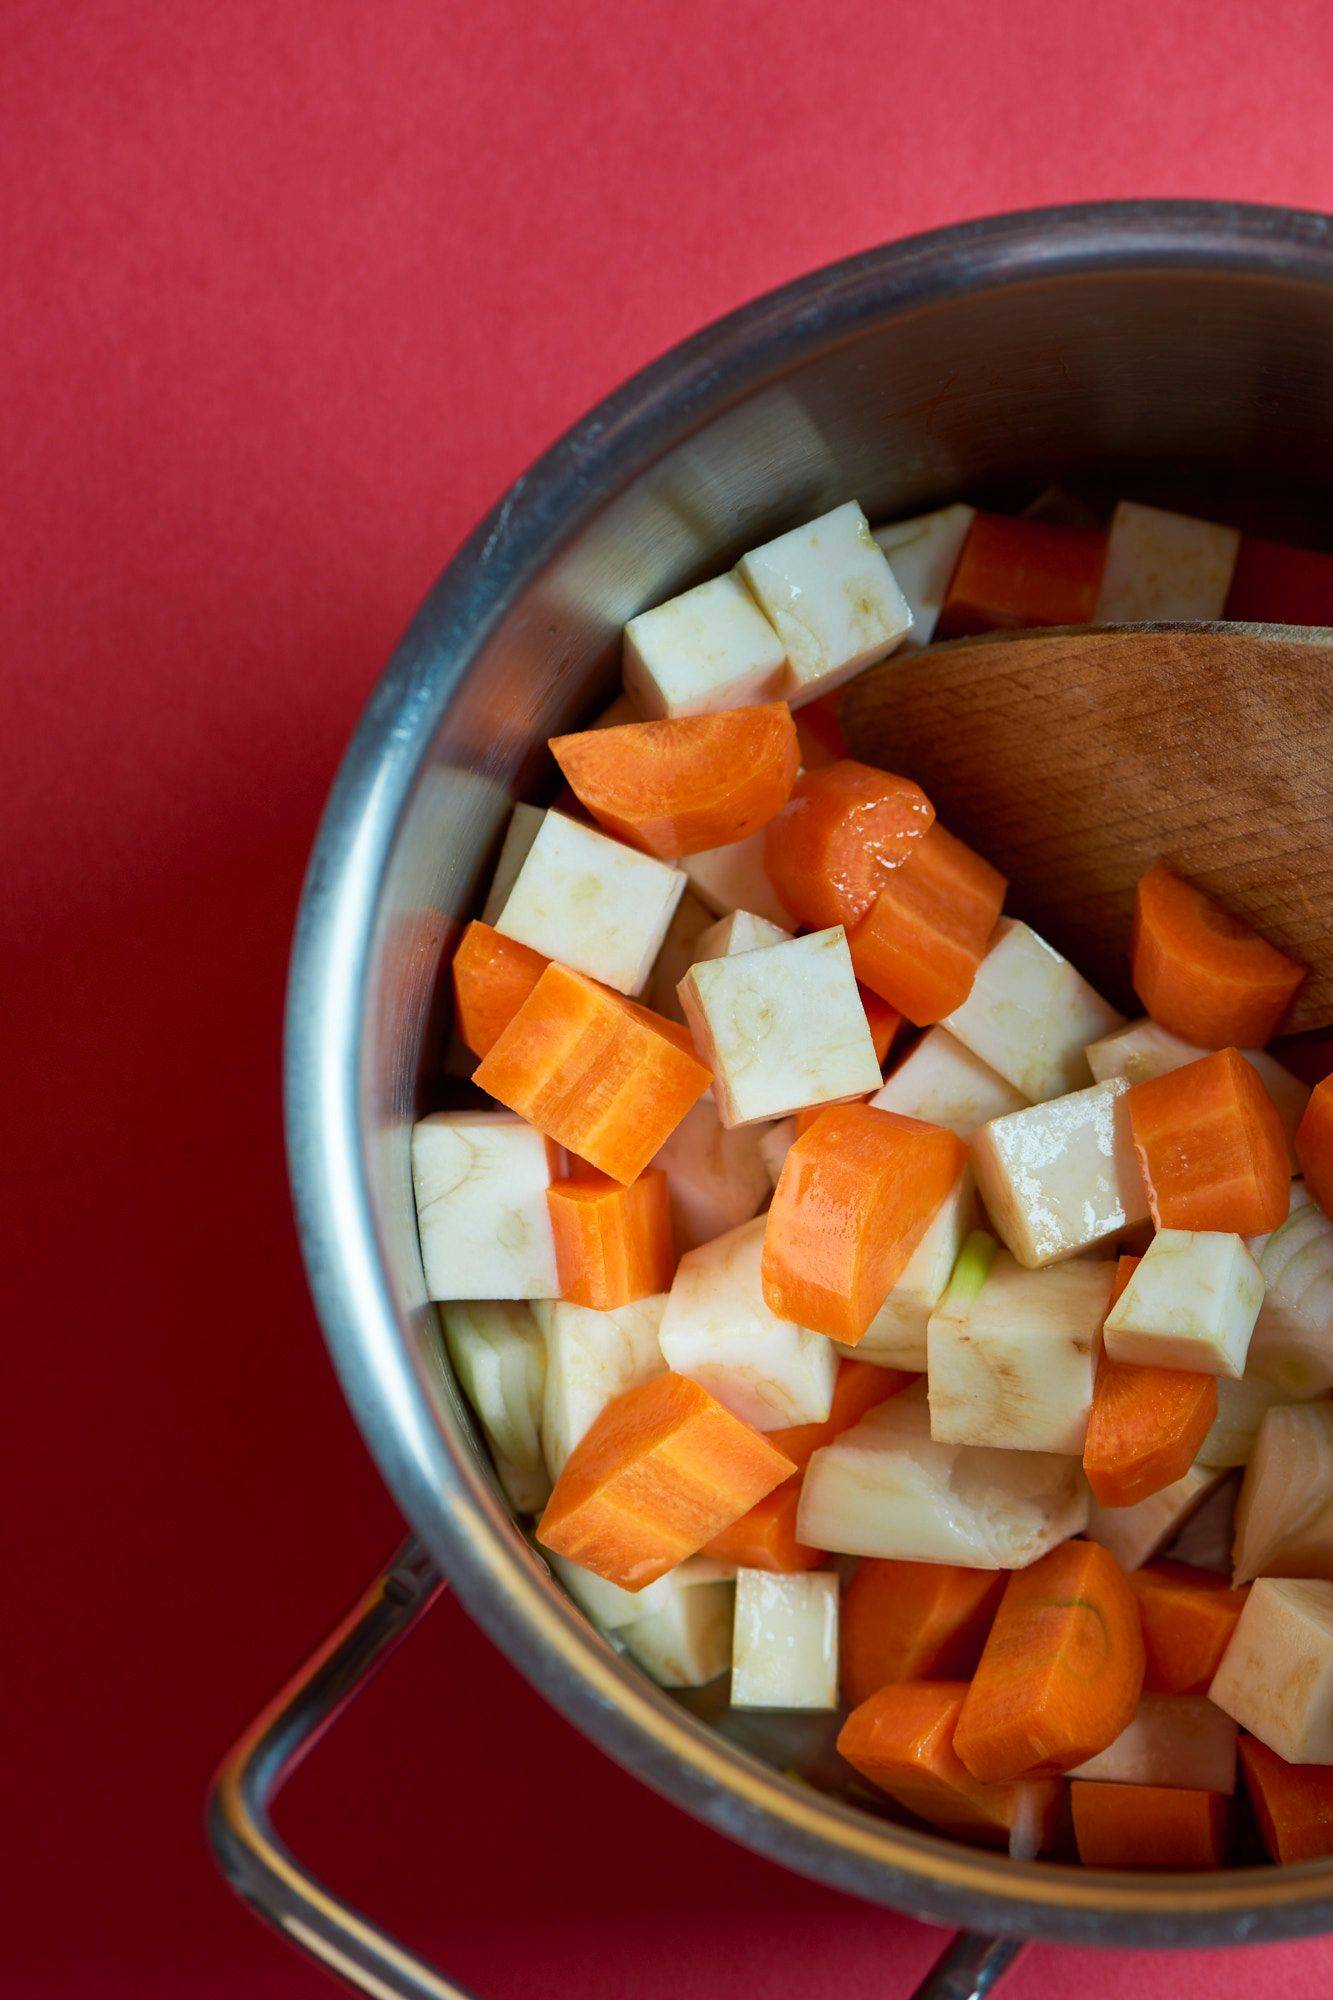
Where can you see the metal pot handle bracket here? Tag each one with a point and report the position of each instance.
(267, 1876)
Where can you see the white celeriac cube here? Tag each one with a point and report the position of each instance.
(678, 953)
(784, 1649)
(1135, 1534)
(1144, 1050)
(945, 1084)
(1204, 1542)
(1063, 1175)
(716, 1176)
(775, 1142)
(1030, 1015)
(610, 1608)
(1164, 566)
(718, 1330)
(830, 597)
(524, 826)
(526, 1488)
(1292, 1345)
(592, 1357)
(592, 903)
(1241, 1408)
(1181, 1740)
(710, 648)
(733, 878)
(781, 1028)
(1276, 1675)
(686, 1643)
(896, 1336)
(480, 1179)
(740, 931)
(1191, 1302)
(499, 1357)
(1017, 1370)
(923, 555)
(1284, 1516)
(885, 1488)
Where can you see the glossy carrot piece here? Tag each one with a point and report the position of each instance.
(1293, 1803)
(1314, 1144)
(600, 1075)
(1061, 1672)
(1146, 1424)
(662, 1470)
(913, 1621)
(1273, 584)
(1188, 1618)
(856, 1194)
(1013, 573)
(1211, 1147)
(493, 975)
(1201, 972)
(901, 1739)
(884, 1022)
(612, 1243)
(921, 941)
(838, 839)
(1149, 1826)
(688, 783)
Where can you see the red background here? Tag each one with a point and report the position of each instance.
(291, 292)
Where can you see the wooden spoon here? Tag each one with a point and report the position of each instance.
(1074, 758)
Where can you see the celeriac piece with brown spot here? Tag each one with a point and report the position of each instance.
(831, 598)
(480, 1179)
(1276, 1675)
(1191, 1302)
(1061, 1176)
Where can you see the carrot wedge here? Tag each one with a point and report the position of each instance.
(688, 783)
(1149, 1826)
(1146, 1424)
(1014, 572)
(1202, 973)
(1314, 1144)
(1188, 1618)
(1061, 1672)
(913, 1621)
(1212, 1147)
(841, 834)
(922, 939)
(493, 975)
(884, 1022)
(1293, 1803)
(613, 1244)
(662, 1470)
(857, 1192)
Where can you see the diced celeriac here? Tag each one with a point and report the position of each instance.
(1276, 1675)
(1144, 1050)
(591, 902)
(1191, 1302)
(1030, 1015)
(611, 1608)
(784, 1651)
(678, 953)
(1181, 1740)
(885, 1488)
(944, 1083)
(1061, 1176)
(716, 1177)
(688, 1642)
(1292, 1345)
(775, 1142)
(1016, 1371)
(923, 555)
(740, 931)
(1204, 1542)
(526, 1488)
(1284, 1517)
(831, 597)
(896, 1336)
(524, 825)
(590, 1357)
(1135, 1534)
(781, 1028)
(1241, 1408)
(709, 648)
(499, 1358)
(733, 878)
(480, 1179)
(718, 1330)
(1164, 566)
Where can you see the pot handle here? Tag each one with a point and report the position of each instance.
(266, 1875)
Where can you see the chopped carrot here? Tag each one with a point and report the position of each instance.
(1014, 572)
(857, 1193)
(1149, 1826)
(1201, 972)
(1061, 1672)
(1273, 584)
(859, 1388)
(839, 837)
(1146, 1424)
(687, 783)
(921, 941)
(662, 1470)
(493, 976)
(883, 1021)
(819, 732)
(901, 1739)
(600, 1075)
(1188, 1618)
(1314, 1144)
(913, 1621)
(1293, 1803)
(612, 1243)
(1212, 1147)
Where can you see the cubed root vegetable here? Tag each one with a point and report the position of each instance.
(1164, 565)
(687, 783)
(857, 1193)
(1188, 1618)
(687, 1641)
(480, 1181)
(1203, 973)
(1030, 1015)
(493, 975)
(901, 1739)
(1062, 1669)
(1060, 1177)
(717, 1177)
(1284, 1517)
(1293, 1803)
(663, 1469)
(598, 906)
(1190, 1303)
(1146, 1425)
(612, 1243)
(897, 1335)
(841, 834)
(785, 1649)
(883, 1022)
(944, 1083)
(1314, 1144)
(1133, 1534)
(919, 944)
(913, 1621)
(710, 648)
(831, 598)
(591, 1357)
(1211, 1147)
(1276, 1675)
(1149, 1826)
(1292, 1344)
(1014, 572)
(1174, 1739)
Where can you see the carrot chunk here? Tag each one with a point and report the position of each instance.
(1211, 1147)
(1202, 973)
(596, 1073)
(1188, 1618)
(839, 837)
(913, 1621)
(1146, 1424)
(612, 1243)
(1149, 1826)
(925, 934)
(1061, 1672)
(901, 1739)
(857, 1192)
(493, 976)
(688, 783)
(662, 1470)
(884, 1022)
(1273, 584)
(1020, 572)
(1293, 1803)
(1314, 1144)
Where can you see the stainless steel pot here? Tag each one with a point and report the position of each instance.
(1170, 348)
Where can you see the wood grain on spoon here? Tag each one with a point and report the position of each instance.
(1075, 758)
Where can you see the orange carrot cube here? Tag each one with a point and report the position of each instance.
(922, 939)
(913, 1621)
(1149, 1826)
(839, 837)
(1188, 1618)
(1314, 1144)
(612, 1243)
(1293, 1803)
(1202, 973)
(1212, 1147)
(1015, 572)
(493, 975)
